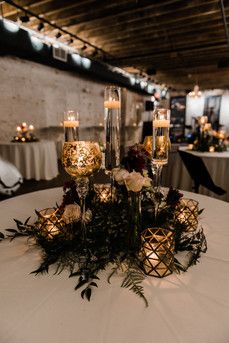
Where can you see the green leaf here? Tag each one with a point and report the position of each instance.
(2, 236)
(18, 222)
(93, 284)
(88, 293)
(80, 284)
(75, 274)
(27, 220)
(83, 293)
(12, 230)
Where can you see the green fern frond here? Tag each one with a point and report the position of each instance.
(133, 281)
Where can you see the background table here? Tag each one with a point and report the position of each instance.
(217, 163)
(187, 308)
(36, 160)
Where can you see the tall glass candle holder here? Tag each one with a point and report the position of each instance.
(160, 146)
(81, 159)
(112, 106)
(71, 126)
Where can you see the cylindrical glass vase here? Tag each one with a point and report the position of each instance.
(71, 126)
(134, 218)
(160, 143)
(112, 107)
(161, 123)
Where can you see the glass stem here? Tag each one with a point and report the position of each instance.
(83, 210)
(82, 187)
(157, 179)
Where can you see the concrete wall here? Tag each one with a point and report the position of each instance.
(39, 95)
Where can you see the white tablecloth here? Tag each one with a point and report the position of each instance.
(191, 307)
(34, 160)
(217, 163)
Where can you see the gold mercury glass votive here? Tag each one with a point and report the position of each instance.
(157, 252)
(148, 143)
(104, 192)
(49, 222)
(81, 158)
(187, 212)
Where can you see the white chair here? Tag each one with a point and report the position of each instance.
(10, 178)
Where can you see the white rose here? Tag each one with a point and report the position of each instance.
(71, 213)
(120, 175)
(135, 181)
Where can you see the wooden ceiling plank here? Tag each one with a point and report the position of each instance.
(211, 7)
(146, 41)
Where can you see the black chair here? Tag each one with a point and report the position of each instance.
(199, 173)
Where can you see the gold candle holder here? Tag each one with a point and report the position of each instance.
(81, 158)
(148, 142)
(104, 192)
(49, 222)
(187, 212)
(157, 252)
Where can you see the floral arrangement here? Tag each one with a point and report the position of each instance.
(111, 239)
(209, 140)
(25, 134)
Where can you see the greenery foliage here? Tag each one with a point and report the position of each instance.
(107, 239)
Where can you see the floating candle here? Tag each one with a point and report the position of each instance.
(71, 123)
(161, 123)
(112, 104)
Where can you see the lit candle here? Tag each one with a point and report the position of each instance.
(157, 251)
(187, 213)
(31, 127)
(103, 192)
(221, 134)
(71, 122)
(212, 149)
(18, 129)
(207, 126)
(112, 104)
(71, 126)
(203, 120)
(161, 123)
(49, 221)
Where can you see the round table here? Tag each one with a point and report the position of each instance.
(36, 160)
(217, 164)
(191, 307)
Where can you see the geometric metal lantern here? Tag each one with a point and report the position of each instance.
(186, 213)
(103, 192)
(50, 222)
(157, 252)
